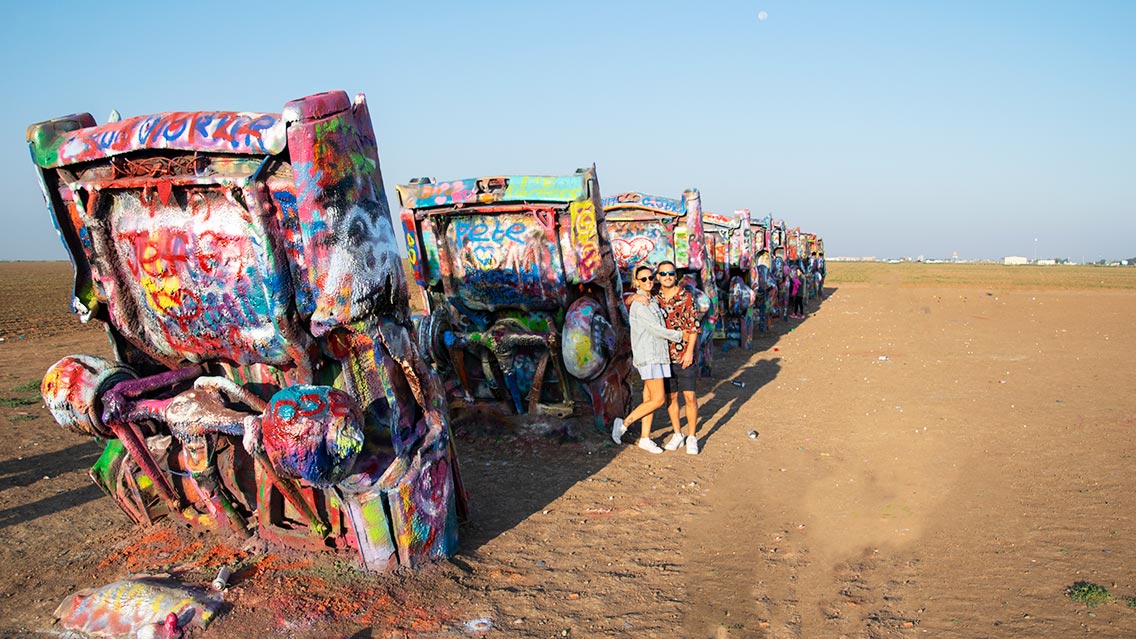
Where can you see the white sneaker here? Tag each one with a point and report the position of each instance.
(691, 445)
(617, 430)
(674, 442)
(650, 446)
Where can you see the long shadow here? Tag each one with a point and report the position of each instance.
(25, 472)
(49, 505)
(511, 478)
(729, 367)
(753, 376)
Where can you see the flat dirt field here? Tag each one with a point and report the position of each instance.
(942, 451)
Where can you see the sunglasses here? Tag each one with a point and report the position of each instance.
(666, 273)
(644, 279)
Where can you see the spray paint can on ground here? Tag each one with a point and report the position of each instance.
(222, 580)
(737, 383)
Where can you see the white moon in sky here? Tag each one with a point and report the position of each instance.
(761, 15)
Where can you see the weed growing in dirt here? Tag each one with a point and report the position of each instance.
(1090, 594)
(1130, 602)
(28, 395)
(21, 418)
(27, 387)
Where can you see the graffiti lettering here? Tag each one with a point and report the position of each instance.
(655, 202)
(719, 220)
(663, 204)
(456, 192)
(412, 251)
(164, 254)
(583, 214)
(258, 133)
(503, 286)
(490, 230)
(559, 189)
(682, 247)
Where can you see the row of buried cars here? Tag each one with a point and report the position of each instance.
(267, 377)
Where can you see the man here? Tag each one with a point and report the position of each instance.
(678, 304)
(821, 272)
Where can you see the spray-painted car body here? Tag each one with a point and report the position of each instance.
(799, 258)
(521, 293)
(729, 243)
(781, 267)
(765, 281)
(265, 378)
(814, 260)
(648, 229)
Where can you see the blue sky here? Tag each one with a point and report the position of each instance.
(889, 128)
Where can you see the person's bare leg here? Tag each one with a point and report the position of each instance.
(652, 396)
(650, 418)
(691, 400)
(672, 411)
(654, 389)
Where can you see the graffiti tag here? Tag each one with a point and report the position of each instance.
(586, 238)
(222, 131)
(558, 189)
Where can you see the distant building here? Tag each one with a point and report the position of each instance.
(1014, 259)
(1046, 262)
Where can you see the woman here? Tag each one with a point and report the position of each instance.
(798, 284)
(650, 356)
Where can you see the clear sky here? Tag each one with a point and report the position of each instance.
(897, 128)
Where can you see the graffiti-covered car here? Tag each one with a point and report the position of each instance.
(814, 256)
(265, 375)
(798, 258)
(729, 243)
(521, 293)
(778, 245)
(648, 229)
(765, 280)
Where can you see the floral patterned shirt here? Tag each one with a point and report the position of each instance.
(681, 315)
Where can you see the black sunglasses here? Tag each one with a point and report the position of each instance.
(644, 279)
(666, 273)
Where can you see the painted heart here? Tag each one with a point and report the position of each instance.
(486, 256)
(632, 251)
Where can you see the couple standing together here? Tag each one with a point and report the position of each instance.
(664, 334)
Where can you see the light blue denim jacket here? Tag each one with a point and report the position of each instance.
(649, 333)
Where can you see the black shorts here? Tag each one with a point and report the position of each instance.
(684, 379)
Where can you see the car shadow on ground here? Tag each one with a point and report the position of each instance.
(24, 471)
(510, 477)
(513, 472)
(18, 473)
(49, 505)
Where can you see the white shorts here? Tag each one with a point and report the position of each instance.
(654, 371)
